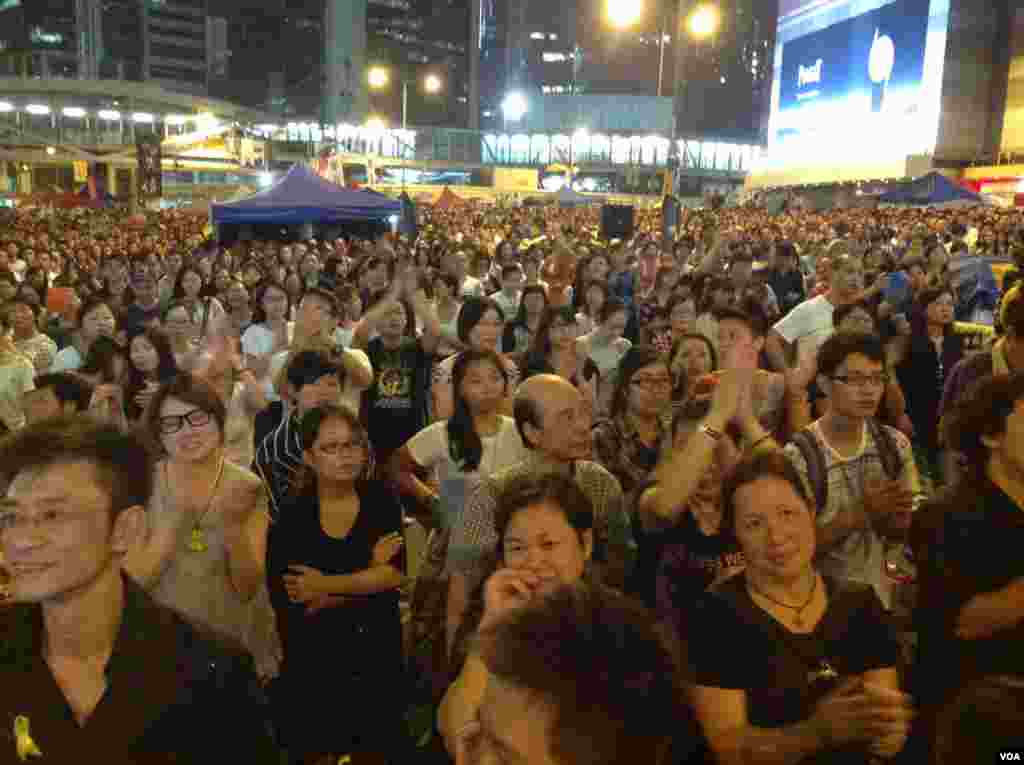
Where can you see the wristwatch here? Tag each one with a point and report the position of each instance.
(710, 432)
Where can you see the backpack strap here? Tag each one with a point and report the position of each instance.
(888, 452)
(815, 460)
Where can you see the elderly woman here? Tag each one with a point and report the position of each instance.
(545, 533)
(816, 680)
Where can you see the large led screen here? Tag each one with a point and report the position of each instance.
(856, 88)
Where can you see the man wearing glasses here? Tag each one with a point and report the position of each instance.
(861, 472)
(92, 669)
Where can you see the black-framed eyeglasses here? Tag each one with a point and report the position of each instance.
(863, 381)
(197, 418)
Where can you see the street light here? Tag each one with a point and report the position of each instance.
(703, 21)
(624, 13)
(432, 84)
(514, 106)
(379, 78)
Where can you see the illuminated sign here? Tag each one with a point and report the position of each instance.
(856, 88)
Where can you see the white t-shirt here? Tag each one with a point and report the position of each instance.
(258, 340)
(67, 360)
(472, 287)
(809, 324)
(430, 449)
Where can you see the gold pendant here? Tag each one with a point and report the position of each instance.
(197, 543)
(824, 672)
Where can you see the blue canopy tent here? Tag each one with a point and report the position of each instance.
(303, 198)
(931, 190)
(300, 204)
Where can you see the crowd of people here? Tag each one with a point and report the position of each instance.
(752, 494)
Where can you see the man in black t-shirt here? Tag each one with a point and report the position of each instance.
(394, 407)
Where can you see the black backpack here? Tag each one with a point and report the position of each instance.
(805, 441)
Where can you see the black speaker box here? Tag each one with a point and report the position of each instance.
(616, 222)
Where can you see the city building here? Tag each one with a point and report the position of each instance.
(723, 80)
(524, 46)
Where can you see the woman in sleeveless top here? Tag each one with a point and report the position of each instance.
(206, 548)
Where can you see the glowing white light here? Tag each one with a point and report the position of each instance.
(514, 106)
(266, 179)
(73, 111)
(38, 109)
(6, 106)
(142, 117)
(109, 114)
(50, 151)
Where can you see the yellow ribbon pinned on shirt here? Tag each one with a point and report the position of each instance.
(23, 739)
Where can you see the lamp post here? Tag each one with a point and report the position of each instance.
(702, 23)
(379, 78)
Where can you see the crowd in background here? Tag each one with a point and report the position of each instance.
(749, 494)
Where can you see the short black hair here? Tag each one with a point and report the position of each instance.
(587, 642)
(120, 457)
(842, 311)
(981, 412)
(560, 490)
(67, 388)
(842, 345)
(749, 312)
(307, 367)
(325, 295)
(774, 464)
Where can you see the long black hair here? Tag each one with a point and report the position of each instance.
(166, 368)
(464, 444)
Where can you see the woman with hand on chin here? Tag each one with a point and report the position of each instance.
(334, 571)
(816, 680)
(545, 540)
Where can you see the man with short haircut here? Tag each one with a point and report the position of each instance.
(60, 394)
(810, 322)
(582, 677)
(554, 421)
(863, 471)
(92, 669)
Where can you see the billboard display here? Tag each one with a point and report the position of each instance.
(856, 88)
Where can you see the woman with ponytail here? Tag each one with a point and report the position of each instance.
(456, 454)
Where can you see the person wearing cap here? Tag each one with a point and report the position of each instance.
(314, 380)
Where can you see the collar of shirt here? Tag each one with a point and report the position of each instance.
(538, 460)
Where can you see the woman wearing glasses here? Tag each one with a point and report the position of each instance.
(205, 551)
(334, 568)
(629, 441)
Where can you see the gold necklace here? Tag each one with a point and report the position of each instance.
(798, 610)
(197, 539)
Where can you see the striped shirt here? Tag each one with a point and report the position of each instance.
(278, 460)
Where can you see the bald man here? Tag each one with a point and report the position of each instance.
(553, 419)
